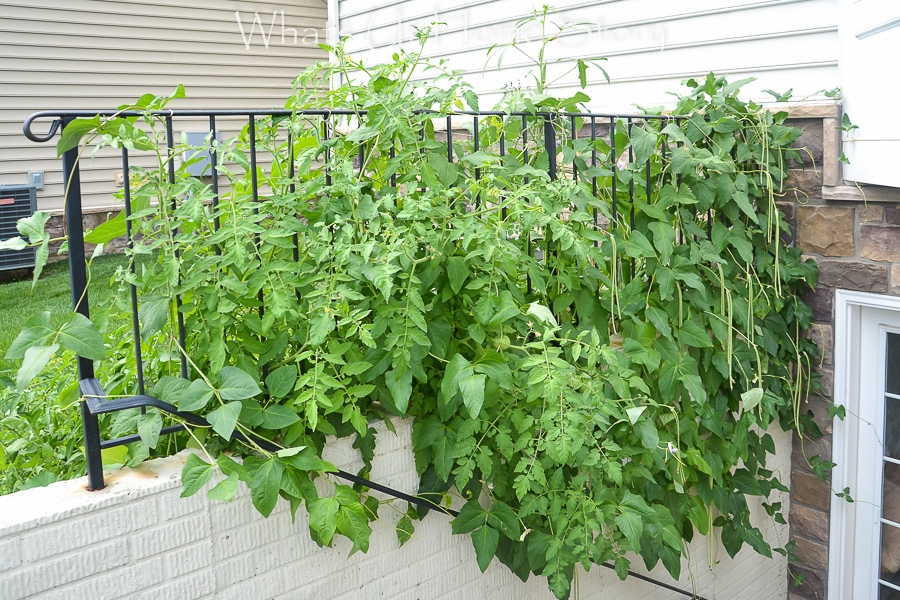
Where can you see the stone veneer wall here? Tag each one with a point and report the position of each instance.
(853, 233)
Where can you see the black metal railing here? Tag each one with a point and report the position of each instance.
(96, 402)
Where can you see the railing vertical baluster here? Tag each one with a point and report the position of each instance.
(550, 147)
(214, 173)
(135, 324)
(326, 135)
(449, 139)
(78, 279)
(170, 143)
(394, 172)
(292, 189)
(594, 165)
(254, 184)
(574, 137)
(647, 124)
(525, 161)
(612, 159)
(477, 146)
(631, 186)
(502, 154)
(525, 143)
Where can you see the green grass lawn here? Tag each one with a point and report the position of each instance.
(18, 302)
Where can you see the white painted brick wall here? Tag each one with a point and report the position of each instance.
(138, 540)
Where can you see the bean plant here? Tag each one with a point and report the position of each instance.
(591, 373)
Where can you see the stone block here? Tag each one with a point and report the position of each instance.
(826, 230)
(892, 214)
(826, 380)
(808, 447)
(803, 184)
(809, 489)
(813, 554)
(821, 301)
(809, 522)
(880, 243)
(870, 213)
(853, 275)
(811, 586)
(822, 335)
(818, 406)
(895, 279)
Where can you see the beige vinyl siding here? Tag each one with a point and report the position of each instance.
(100, 54)
(651, 45)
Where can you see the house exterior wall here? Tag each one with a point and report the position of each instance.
(651, 45)
(853, 234)
(100, 54)
(137, 539)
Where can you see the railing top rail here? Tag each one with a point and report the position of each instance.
(60, 115)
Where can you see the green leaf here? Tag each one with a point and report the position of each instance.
(194, 475)
(320, 326)
(280, 382)
(82, 337)
(322, 513)
(400, 388)
(458, 272)
(634, 413)
(472, 390)
(36, 358)
(660, 320)
(470, 518)
(107, 231)
(449, 384)
(485, 541)
(752, 398)
(582, 73)
(754, 537)
(33, 227)
(542, 314)
(504, 520)
(694, 335)
(194, 397)
(149, 426)
(405, 529)
(361, 134)
(153, 313)
(37, 331)
(73, 132)
(307, 460)
(278, 416)
(631, 524)
(14, 244)
(352, 522)
(225, 489)
(224, 419)
(266, 485)
(297, 483)
(471, 99)
(644, 144)
(236, 384)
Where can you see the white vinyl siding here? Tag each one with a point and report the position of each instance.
(651, 45)
(99, 54)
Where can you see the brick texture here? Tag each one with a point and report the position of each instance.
(137, 539)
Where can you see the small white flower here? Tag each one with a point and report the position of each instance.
(621, 164)
(670, 447)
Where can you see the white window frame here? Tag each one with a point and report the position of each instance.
(850, 556)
